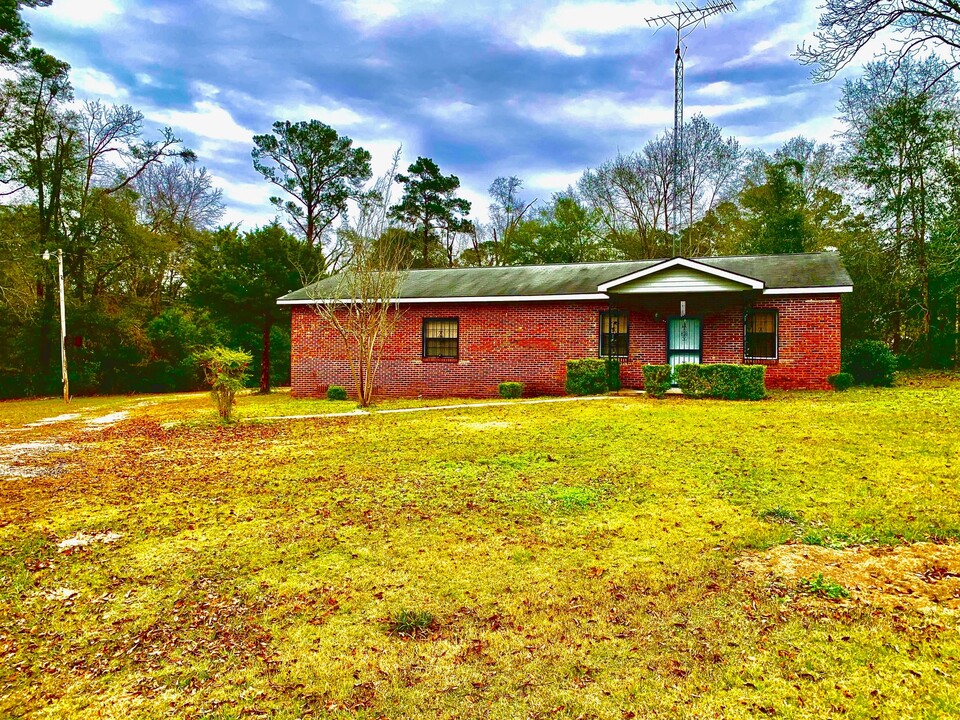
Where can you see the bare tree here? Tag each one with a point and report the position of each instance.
(633, 195)
(506, 213)
(882, 83)
(178, 194)
(360, 303)
(710, 168)
(847, 26)
(113, 157)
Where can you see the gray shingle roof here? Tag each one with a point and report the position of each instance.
(813, 270)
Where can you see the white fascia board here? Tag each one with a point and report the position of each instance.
(476, 299)
(682, 262)
(832, 290)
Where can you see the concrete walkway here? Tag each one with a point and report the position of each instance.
(465, 406)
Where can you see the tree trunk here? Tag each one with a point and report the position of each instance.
(426, 245)
(44, 373)
(265, 362)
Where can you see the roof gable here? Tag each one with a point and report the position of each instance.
(680, 275)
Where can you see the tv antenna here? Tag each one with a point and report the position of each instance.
(685, 20)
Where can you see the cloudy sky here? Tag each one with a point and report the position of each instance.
(531, 88)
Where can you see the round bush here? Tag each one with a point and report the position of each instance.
(870, 362)
(841, 381)
(336, 392)
(656, 380)
(589, 376)
(511, 390)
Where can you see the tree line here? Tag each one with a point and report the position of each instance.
(152, 273)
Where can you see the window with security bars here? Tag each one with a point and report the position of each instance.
(441, 337)
(760, 335)
(614, 334)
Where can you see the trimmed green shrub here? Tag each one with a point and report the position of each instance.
(613, 374)
(225, 371)
(727, 382)
(587, 377)
(510, 390)
(738, 382)
(870, 362)
(656, 380)
(841, 381)
(692, 380)
(336, 392)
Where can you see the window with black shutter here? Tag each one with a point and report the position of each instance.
(760, 335)
(441, 337)
(614, 334)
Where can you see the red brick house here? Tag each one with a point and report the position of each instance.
(465, 330)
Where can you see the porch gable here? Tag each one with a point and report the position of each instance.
(680, 275)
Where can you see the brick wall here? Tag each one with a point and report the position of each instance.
(531, 342)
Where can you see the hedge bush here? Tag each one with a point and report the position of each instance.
(589, 376)
(510, 390)
(870, 362)
(841, 381)
(336, 392)
(656, 380)
(727, 382)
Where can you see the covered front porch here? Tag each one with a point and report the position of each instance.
(682, 312)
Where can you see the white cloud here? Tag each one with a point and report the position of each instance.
(574, 28)
(608, 111)
(452, 110)
(554, 181)
(382, 148)
(605, 111)
(247, 203)
(371, 12)
(208, 121)
(94, 84)
(719, 89)
(822, 129)
(336, 117)
(248, 217)
(80, 13)
(782, 42)
(244, 7)
(255, 194)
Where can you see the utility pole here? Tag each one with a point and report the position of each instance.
(63, 326)
(685, 20)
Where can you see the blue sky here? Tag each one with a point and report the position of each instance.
(542, 90)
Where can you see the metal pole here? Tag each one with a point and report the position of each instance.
(677, 144)
(63, 331)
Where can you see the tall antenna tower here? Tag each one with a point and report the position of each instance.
(685, 20)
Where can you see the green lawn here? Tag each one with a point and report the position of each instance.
(570, 560)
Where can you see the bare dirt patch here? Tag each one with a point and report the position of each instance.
(107, 420)
(25, 460)
(921, 576)
(83, 539)
(66, 417)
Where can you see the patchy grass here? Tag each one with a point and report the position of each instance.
(575, 560)
(412, 623)
(819, 585)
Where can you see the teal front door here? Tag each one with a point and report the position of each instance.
(683, 341)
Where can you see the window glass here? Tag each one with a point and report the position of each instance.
(760, 335)
(441, 337)
(614, 328)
